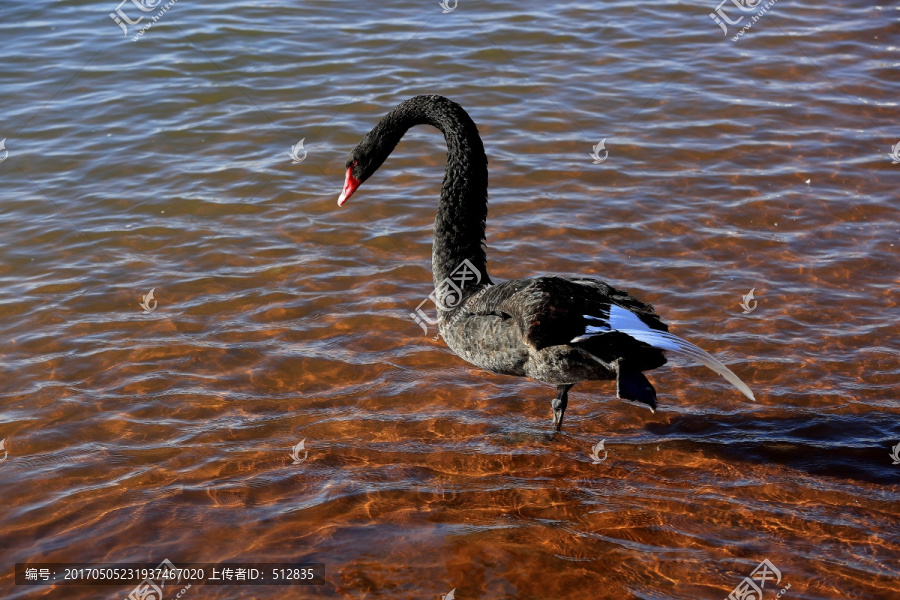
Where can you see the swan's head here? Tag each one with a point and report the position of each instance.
(352, 181)
(364, 160)
(360, 166)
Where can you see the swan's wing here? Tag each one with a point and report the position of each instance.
(673, 343)
(552, 311)
(586, 313)
(603, 297)
(624, 322)
(542, 317)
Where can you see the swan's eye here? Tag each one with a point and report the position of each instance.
(355, 162)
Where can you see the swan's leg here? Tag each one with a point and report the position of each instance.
(559, 403)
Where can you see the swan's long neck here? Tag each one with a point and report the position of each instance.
(460, 220)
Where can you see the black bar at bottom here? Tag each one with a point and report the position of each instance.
(167, 575)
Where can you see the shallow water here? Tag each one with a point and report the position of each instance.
(163, 164)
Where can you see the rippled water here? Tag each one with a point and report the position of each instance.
(163, 164)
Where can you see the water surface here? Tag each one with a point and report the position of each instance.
(164, 164)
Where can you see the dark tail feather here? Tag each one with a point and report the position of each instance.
(632, 385)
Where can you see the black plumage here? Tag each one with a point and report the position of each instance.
(553, 329)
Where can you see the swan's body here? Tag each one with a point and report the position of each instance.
(556, 330)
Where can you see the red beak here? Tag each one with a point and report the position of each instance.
(350, 185)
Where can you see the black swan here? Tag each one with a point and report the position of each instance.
(553, 329)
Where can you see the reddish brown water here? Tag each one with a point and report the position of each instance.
(163, 164)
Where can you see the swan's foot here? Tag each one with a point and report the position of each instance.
(632, 385)
(559, 404)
